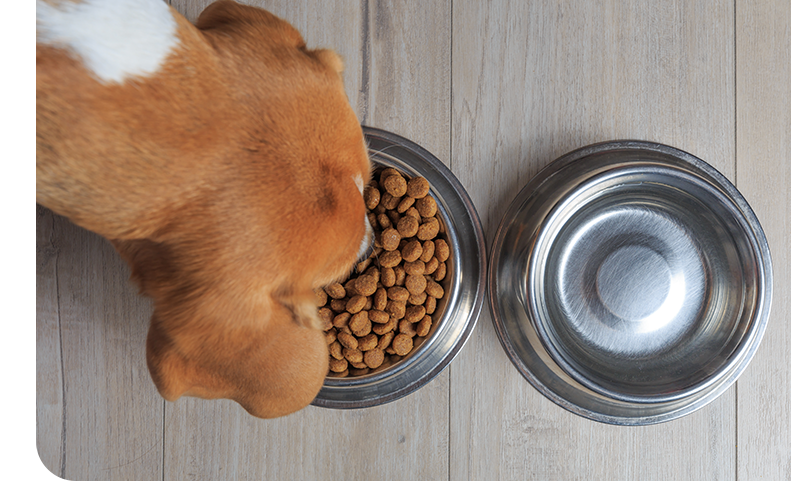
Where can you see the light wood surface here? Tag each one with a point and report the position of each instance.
(763, 175)
(496, 90)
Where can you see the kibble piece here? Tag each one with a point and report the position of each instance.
(434, 290)
(386, 173)
(372, 220)
(377, 316)
(359, 371)
(336, 350)
(350, 288)
(394, 216)
(367, 342)
(321, 297)
(428, 229)
(374, 358)
(402, 344)
(390, 325)
(417, 299)
(439, 274)
(380, 298)
(398, 293)
(371, 196)
(424, 326)
(338, 365)
(395, 185)
(390, 258)
(432, 265)
(400, 275)
(406, 328)
(390, 239)
(428, 250)
(356, 304)
(369, 303)
(415, 284)
(389, 202)
(335, 291)
(426, 206)
(384, 221)
(325, 316)
(361, 266)
(430, 305)
(341, 320)
(415, 268)
(412, 251)
(385, 339)
(366, 285)
(331, 335)
(404, 204)
(387, 278)
(441, 250)
(358, 365)
(347, 341)
(353, 355)
(414, 314)
(408, 226)
(373, 272)
(396, 309)
(417, 187)
(358, 323)
(338, 305)
(412, 212)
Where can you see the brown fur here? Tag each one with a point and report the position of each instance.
(225, 180)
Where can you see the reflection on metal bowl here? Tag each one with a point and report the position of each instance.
(630, 282)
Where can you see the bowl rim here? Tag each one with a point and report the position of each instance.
(340, 393)
(530, 357)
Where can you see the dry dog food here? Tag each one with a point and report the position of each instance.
(389, 300)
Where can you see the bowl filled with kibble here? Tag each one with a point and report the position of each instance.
(407, 309)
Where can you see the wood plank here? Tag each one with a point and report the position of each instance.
(763, 94)
(109, 425)
(392, 51)
(531, 81)
(49, 372)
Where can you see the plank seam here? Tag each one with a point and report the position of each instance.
(62, 368)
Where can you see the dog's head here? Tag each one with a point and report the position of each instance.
(248, 198)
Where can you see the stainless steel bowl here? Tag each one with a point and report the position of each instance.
(464, 289)
(630, 282)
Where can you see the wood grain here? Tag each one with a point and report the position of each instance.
(49, 371)
(531, 81)
(763, 61)
(103, 416)
(405, 50)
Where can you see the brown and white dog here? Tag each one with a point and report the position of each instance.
(224, 163)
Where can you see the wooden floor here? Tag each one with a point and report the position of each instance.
(496, 90)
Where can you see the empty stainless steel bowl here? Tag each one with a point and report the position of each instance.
(630, 282)
(464, 285)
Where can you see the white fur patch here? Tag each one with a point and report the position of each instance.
(358, 180)
(116, 39)
(367, 240)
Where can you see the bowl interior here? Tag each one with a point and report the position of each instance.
(645, 284)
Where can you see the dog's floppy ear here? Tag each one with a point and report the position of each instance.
(227, 339)
(271, 367)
